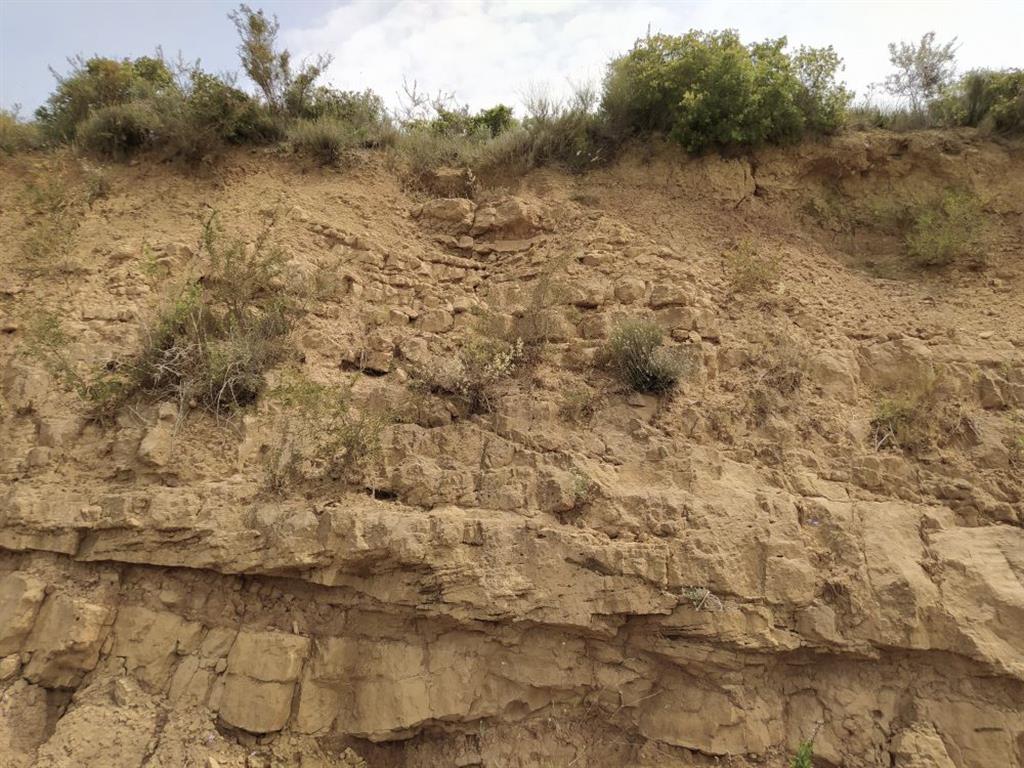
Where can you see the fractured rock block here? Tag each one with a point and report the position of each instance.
(20, 597)
(65, 641)
(268, 656)
(256, 706)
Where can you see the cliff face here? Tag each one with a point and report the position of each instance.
(577, 575)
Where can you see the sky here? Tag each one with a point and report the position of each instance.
(485, 52)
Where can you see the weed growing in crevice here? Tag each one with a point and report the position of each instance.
(208, 348)
(579, 404)
(703, 599)
(749, 269)
(636, 356)
(319, 435)
(919, 418)
(475, 375)
(804, 757)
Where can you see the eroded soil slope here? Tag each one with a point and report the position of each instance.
(576, 574)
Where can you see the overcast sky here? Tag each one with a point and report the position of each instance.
(486, 52)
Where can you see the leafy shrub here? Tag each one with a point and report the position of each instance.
(477, 371)
(919, 418)
(320, 435)
(708, 90)
(945, 232)
(363, 111)
(496, 119)
(458, 121)
(118, 130)
(326, 139)
(748, 269)
(635, 355)
(206, 112)
(986, 98)
(15, 135)
(96, 83)
(209, 348)
(923, 70)
(270, 68)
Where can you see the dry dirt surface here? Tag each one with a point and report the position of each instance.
(575, 575)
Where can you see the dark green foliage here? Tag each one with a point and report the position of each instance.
(634, 353)
(821, 99)
(203, 113)
(986, 98)
(709, 90)
(119, 130)
(96, 83)
(458, 121)
(496, 120)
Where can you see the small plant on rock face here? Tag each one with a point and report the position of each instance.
(320, 435)
(1017, 452)
(208, 348)
(804, 757)
(635, 355)
(97, 185)
(478, 370)
(749, 270)
(49, 243)
(703, 599)
(948, 231)
(578, 404)
(919, 418)
(102, 389)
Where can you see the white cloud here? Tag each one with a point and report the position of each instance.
(489, 52)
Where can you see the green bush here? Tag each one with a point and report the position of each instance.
(325, 139)
(204, 113)
(15, 135)
(950, 230)
(709, 90)
(458, 121)
(119, 130)
(209, 348)
(96, 83)
(985, 98)
(363, 111)
(635, 355)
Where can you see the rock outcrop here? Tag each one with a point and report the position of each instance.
(579, 575)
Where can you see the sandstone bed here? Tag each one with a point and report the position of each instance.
(741, 574)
